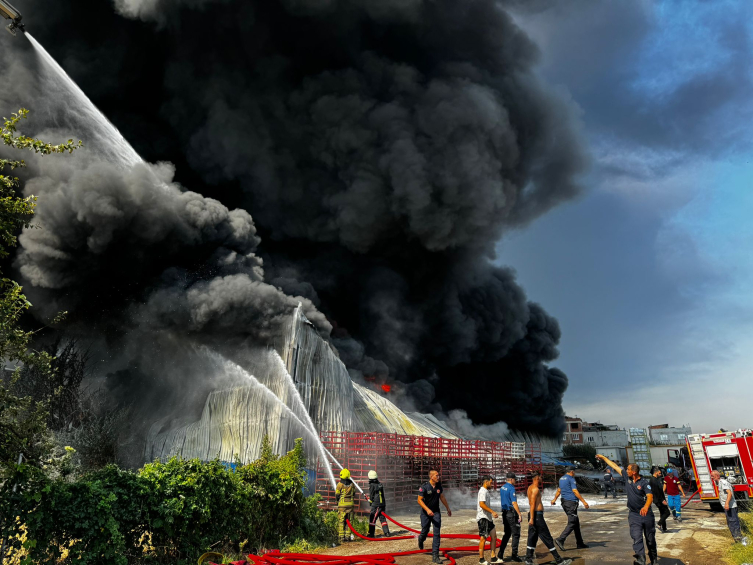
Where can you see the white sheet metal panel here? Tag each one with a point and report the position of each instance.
(725, 450)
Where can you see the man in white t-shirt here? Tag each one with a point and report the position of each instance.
(727, 499)
(486, 527)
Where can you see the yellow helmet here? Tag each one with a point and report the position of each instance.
(344, 474)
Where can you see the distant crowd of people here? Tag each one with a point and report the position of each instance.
(663, 491)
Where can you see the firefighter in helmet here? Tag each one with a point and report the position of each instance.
(345, 494)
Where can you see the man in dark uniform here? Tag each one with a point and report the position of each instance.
(429, 496)
(657, 489)
(378, 505)
(609, 484)
(511, 517)
(640, 517)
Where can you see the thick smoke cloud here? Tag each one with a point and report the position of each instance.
(382, 149)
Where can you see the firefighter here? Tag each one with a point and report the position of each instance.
(609, 484)
(657, 488)
(429, 496)
(345, 494)
(640, 516)
(378, 506)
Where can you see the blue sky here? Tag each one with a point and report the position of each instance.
(650, 272)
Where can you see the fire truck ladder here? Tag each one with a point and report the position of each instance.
(641, 450)
(701, 465)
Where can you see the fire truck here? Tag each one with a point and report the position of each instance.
(730, 453)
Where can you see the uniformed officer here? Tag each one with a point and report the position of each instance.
(378, 505)
(345, 494)
(609, 484)
(640, 516)
(511, 517)
(568, 488)
(429, 496)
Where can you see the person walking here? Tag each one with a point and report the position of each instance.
(727, 500)
(378, 505)
(609, 484)
(511, 518)
(660, 500)
(537, 528)
(640, 516)
(345, 494)
(429, 496)
(568, 488)
(484, 518)
(673, 488)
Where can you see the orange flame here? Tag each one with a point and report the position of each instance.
(386, 388)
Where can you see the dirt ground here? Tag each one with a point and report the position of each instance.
(701, 539)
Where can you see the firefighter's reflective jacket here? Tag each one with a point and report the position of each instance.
(345, 493)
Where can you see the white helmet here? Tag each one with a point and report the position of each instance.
(372, 475)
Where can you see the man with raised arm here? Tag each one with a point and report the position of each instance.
(429, 496)
(570, 497)
(640, 516)
(537, 528)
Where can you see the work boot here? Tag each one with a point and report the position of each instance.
(582, 545)
(559, 543)
(652, 558)
(435, 559)
(559, 561)
(372, 532)
(516, 559)
(529, 561)
(386, 531)
(420, 542)
(529, 557)
(639, 560)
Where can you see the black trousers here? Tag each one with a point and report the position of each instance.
(610, 486)
(664, 513)
(434, 522)
(512, 530)
(377, 512)
(573, 522)
(733, 523)
(640, 527)
(539, 531)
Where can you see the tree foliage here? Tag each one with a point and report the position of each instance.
(22, 418)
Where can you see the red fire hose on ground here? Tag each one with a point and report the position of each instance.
(277, 558)
(690, 498)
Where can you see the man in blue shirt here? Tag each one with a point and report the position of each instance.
(570, 497)
(511, 517)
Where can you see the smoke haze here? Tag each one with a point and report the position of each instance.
(382, 150)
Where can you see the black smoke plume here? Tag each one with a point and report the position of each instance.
(383, 148)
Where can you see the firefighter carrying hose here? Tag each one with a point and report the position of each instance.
(345, 494)
(378, 506)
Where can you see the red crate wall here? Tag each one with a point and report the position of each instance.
(403, 463)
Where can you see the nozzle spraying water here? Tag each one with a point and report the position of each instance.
(10, 13)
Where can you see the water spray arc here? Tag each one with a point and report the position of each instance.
(107, 138)
(297, 395)
(233, 368)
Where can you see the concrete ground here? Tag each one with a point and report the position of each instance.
(700, 539)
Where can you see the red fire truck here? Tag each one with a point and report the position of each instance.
(730, 453)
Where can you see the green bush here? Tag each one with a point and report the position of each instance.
(165, 513)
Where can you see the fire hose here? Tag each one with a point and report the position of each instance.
(275, 557)
(690, 498)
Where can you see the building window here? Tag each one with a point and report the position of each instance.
(576, 437)
(681, 437)
(591, 438)
(664, 437)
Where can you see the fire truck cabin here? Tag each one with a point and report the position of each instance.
(730, 453)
